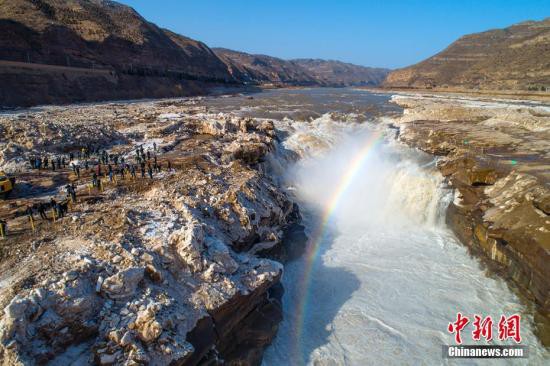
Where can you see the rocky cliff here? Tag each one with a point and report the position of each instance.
(262, 69)
(515, 58)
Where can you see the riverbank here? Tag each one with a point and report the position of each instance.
(159, 268)
(495, 154)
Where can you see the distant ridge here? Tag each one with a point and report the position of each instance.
(263, 69)
(337, 73)
(513, 58)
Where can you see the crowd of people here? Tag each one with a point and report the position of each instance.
(97, 165)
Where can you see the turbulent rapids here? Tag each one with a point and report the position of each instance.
(382, 275)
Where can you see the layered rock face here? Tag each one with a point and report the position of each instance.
(264, 69)
(514, 58)
(496, 156)
(158, 271)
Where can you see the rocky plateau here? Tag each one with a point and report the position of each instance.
(165, 270)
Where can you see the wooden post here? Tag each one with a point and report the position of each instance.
(53, 212)
(32, 223)
(2, 234)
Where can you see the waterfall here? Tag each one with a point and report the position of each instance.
(382, 276)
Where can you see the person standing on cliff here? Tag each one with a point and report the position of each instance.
(71, 192)
(53, 205)
(3, 228)
(29, 212)
(42, 211)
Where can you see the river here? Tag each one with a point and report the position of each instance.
(382, 276)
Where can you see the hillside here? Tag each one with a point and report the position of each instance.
(343, 74)
(266, 69)
(63, 51)
(102, 34)
(66, 51)
(514, 58)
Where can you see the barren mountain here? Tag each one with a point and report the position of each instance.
(103, 34)
(517, 57)
(266, 69)
(61, 51)
(341, 73)
(65, 51)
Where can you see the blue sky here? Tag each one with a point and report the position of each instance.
(383, 33)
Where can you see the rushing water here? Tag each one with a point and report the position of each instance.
(382, 276)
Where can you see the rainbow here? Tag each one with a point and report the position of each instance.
(314, 242)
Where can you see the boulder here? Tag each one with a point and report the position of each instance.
(219, 253)
(250, 152)
(123, 284)
(189, 245)
(147, 327)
